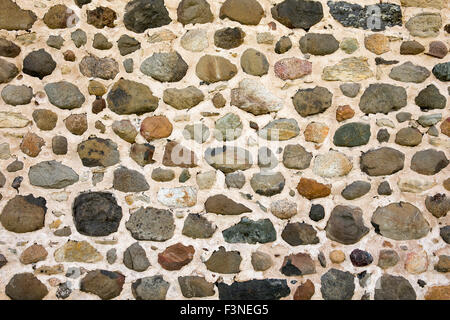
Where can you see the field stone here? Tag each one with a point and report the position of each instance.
(195, 40)
(94, 67)
(438, 205)
(101, 17)
(284, 44)
(101, 42)
(165, 66)
(24, 214)
(60, 17)
(235, 180)
(223, 261)
(254, 62)
(261, 261)
(185, 98)
(250, 231)
(8, 71)
(264, 289)
(194, 11)
(430, 98)
(64, 95)
(298, 13)
(195, 287)
(96, 151)
(247, 12)
(356, 190)
(381, 162)
(13, 17)
(197, 226)
(429, 161)
(38, 64)
(9, 49)
(213, 69)
(150, 288)
(318, 44)
(389, 287)
(25, 286)
(135, 258)
(409, 72)
(141, 15)
(229, 38)
(382, 98)
(151, 224)
(346, 225)
(337, 285)
(76, 123)
(105, 284)
(127, 180)
(312, 101)
(298, 265)
(52, 175)
(424, 25)
(298, 233)
(17, 95)
(79, 38)
(409, 137)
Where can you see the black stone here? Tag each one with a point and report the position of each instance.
(298, 13)
(360, 258)
(267, 289)
(38, 64)
(317, 212)
(96, 214)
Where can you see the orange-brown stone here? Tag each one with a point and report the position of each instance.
(344, 112)
(305, 291)
(311, 189)
(176, 256)
(156, 127)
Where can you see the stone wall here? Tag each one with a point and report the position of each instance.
(100, 98)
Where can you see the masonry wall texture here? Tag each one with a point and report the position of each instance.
(336, 113)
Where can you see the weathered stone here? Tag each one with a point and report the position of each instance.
(228, 159)
(355, 190)
(443, 264)
(8, 48)
(195, 40)
(298, 13)
(352, 135)
(125, 130)
(318, 44)
(346, 225)
(400, 221)
(360, 258)
(411, 47)
(382, 98)
(424, 25)
(198, 227)
(388, 258)
(437, 4)
(261, 261)
(292, 68)
(76, 123)
(13, 17)
(185, 98)
(64, 95)
(222, 261)
(194, 11)
(430, 98)
(151, 224)
(45, 119)
(438, 205)
(52, 175)
(98, 152)
(409, 137)
(389, 287)
(213, 69)
(100, 42)
(299, 264)
(150, 288)
(32, 144)
(176, 155)
(305, 291)
(438, 293)
(141, 15)
(101, 17)
(135, 258)
(381, 162)
(267, 184)
(348, 69)
(253, 97)
(77, 251)
(156, 127)
(33, 254)
(311, 189)
(312, 101)
(408, 72)
(283, 45)
(437, 49)
(248, 12)
(60, 17)
(127, 180)
(223, 205)
(163, 175)
(165, 66)
(354, 15)
(197, 132)
(79, 38)
(332, 164)
(195, 287)
(105, 284)
(296, 157)
(429, 162)
(377, 43)
(24, 214)
(337, 285)
(416, 262)
(8, 71)
(249, 231)
(414, 184)
(176, 256)
(59, 145)
(266, 289)
(96, 213)
(130, 97)
(178, 197)
(317, 212)
(229, 38)
(25, 286)
(349, 45)
(297, 234)
(38, 64)
(17, 95)
(254, 62)
(440, 71)
(95, 67)
(280, 130)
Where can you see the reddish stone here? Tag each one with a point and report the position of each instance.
(32, 144)
(305, 291)
(175, 155)
(344, 112)
(33, 254)
(299, 264)
(156, 127)
(311, 189)
(445, 127)
(176, 256)
(69, 55)
(292, 68)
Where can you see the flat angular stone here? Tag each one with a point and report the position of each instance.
(52, 175)
(266, 289)
(221, 204)
(249, 231)
(348, 69)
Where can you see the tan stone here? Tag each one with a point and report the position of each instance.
(348, 69)
(337, 256)
(33, 254)
(156, 127)
(316, 132)
(77, 251)
(377, 43)
(438, 293)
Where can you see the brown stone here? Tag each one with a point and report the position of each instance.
(98, 105)
(101, 17)
(445, 127)
(298, 264)
(311, 189)
(96, 88)
(176, 256)
(69, 55)
(221, 204)
(156, 127)
(344, 112)
(45, 119)
(32, 144)
(377, 43)
(33, 254)
(24, 214)
(305, 291)
(438, 293)
(76, 123)
(175, 155)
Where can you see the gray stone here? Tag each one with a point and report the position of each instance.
(151, 224)
(346, 225)
(194, 11)
(8, 71)
(227, 128)
(198, 227)
(318, 44)
(408, 72)
(163, 175)
(254, 62)
(442, 71)
(296, 234)
(352, 135)
(17, 95)
(195, 287)
(79, 38)
(64, 95)
(127, 180)
(235, 179)
(55, 41)
(350, 89)
(249, 231)
(127, 44)
(280, 130)
(429, 162)
(135, 258)
(95, 67)
(428, 120)
(312, 101)
(384, 189)
(438, 205)
(337, 285)
(400, 221)
(223, 261)
(165, 66)
(9, 49)
(296, 157)
(381, 162)
(141, 15)
(229, 38)
(52, 175)
(356, 190)
(382, 98)
(430, 98)
(228, 159)
(389, 287)
(221, 204)
(424, 25)
(409, 137)
(103, 283)
(298, 13)
(267, 183)
(197, 132)
(185, 98)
